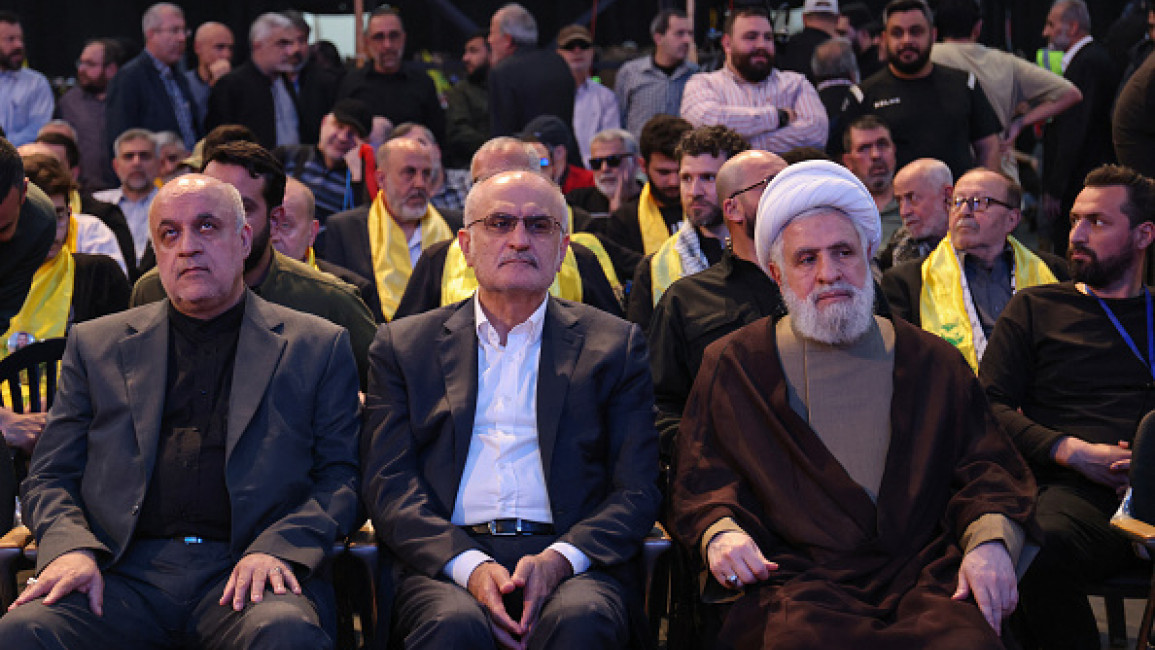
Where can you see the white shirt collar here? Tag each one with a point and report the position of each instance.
(1070, 54)
(531, 327)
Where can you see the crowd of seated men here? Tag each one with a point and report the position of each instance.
(812, 308)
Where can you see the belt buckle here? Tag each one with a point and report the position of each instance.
(496, 532)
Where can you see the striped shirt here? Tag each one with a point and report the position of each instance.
(722, 97)
(644, 91)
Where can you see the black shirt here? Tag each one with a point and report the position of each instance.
(693, 313)
(1055, 355)
(188, 495)
(640, 301)
(407, 95)
(622, 229)
(937, 116)
(25, 252)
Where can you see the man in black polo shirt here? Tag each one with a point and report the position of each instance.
(393, 89)
(933, 111)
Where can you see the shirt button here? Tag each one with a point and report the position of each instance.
(135, 510)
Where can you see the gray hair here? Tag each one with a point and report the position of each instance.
(165, 138)
(134, 134)
(620, 135)
(556, 202)
(835, 59)
(503, 144)
(304, 191)
(1075, 11)
(265, 24)
(932, 171)
(155, 14)
(516, 22)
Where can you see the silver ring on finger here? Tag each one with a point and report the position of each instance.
(732, 580)
(275, 569)
(31, 581)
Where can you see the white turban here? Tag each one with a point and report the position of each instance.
(813, 184)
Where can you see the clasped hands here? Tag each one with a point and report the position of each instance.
(537, 575)
(77, 571)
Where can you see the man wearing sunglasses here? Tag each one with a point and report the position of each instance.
(614, 161)
(510, 455)
(960, 289)
(595, 106)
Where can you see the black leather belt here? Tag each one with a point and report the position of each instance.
(502, 527)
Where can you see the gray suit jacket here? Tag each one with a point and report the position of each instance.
(291, 454)
(599, 449)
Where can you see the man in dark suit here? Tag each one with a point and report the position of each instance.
(510, 451)
(1077, 140)
(258, 94)
(225, 430)
(524, 81)
(151, 92)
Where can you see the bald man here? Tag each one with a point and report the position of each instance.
(921, 189)
(213, 45)
(243, 480)
(701, 308)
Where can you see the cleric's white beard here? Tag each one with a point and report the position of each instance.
(836, 324)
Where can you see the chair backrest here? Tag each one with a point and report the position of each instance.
(25, 367)
(1143, 471)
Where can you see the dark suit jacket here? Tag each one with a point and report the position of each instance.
(595, 427)
(367, 287)
(99, 287)
(137, 98)
(423, 292)
(902, 285)
(526, 84)
(112, 217)
(245, 96)
(1079, 139)
(291, 455)
(314, 99)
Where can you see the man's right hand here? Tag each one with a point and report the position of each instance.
(21, 430)
(1108, 465)
(488, 583)
(735, 560)
(73, 571)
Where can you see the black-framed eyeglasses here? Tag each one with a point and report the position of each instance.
(977, 203)
(764, 181)
(613, 160)
(537, 225)
(577, 45)
(63, 212)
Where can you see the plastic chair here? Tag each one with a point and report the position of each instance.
(1135, 519)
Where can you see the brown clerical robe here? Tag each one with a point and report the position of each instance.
(852, 574)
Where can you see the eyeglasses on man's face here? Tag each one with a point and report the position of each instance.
(503, 224)
(760, 183)
(977, 203)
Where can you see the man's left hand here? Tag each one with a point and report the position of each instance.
(988, 574)
(539, 575)
(21, 430)
(250, 576)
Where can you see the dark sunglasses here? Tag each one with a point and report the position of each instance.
(613, 160)
(577, 45)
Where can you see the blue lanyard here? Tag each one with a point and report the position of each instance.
(347, 200)
(1150, 360)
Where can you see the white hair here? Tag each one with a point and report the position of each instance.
(155, 14)
(265, 24)
(516, 22)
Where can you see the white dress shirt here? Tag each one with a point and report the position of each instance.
(135, 213)
(503, 476)
(95, 238)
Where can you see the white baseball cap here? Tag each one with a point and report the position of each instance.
(820, 7)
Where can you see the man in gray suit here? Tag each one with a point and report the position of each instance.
(510, 451)
(221, 431)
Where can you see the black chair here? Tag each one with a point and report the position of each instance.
(1136, 524)
(27, 366)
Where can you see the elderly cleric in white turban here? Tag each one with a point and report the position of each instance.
(813, 184)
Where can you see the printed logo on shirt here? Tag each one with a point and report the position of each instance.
(883, 103)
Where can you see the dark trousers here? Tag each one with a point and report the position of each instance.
(1079, 548)
(585, 612)
(163, 594)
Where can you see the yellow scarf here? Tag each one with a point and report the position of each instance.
(311, 258)
(44, 314)
(390, 250)
(591, 241)
(458, 281)
(650, 221)
(74, 201)
(942, 304)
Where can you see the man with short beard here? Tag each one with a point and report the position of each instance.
(28, 100)
(136, 164)
(700, 239)
(834, 494)
(614, 161)
(1069, 375)
(260, 179)
(83, 107)
(921, 190)
(961, 287)
(257, 94)
(467, 105)
(773, 109)
(314, 84)
(933, 111)
(870, 156)
(384, 242)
